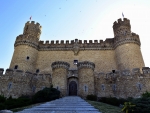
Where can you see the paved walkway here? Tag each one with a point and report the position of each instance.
(70, 104)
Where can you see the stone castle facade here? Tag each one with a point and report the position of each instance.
(113, 67)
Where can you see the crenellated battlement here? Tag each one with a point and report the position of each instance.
(120, 22)
(126, 74)
(33, 29)
(60, 64)
(86, 64)
(27, 40)
(73, 44)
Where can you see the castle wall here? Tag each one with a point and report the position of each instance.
(129, 56)
(122, 84)
(104, 59)
(16, 83)
(20, 58)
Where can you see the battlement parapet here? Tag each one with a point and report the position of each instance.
(124, 74)
(60, 64)
(86, 64)
(146, 70)
(32, 29)
(120, 22)
(9, 72)
(133, 39)
(73, 44)
(1, 71)
(27, 40)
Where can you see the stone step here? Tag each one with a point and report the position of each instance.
(71, 104)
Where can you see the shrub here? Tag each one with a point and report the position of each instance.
(46, 94)
(146, 94)
(142, 105)
(91, 97)
(2, 99)
(113, 100)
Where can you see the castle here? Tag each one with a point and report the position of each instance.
(113, 67)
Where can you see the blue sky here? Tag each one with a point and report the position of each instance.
(71, 19)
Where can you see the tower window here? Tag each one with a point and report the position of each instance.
(16, 67)
(28, 57)
(37, 71)
(75, 62)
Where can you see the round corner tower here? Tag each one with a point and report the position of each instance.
(86, 78)
(59, 76)
(127, 46)
(26, 48)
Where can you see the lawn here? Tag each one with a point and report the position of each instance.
(105, 108)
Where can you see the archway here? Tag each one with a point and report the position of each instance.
(72, 88)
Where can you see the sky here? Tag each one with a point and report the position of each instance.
(72, 19)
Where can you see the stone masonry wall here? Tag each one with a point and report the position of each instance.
(122, 84)
(16, 83)
(103, 59)
(59, 80)
(20, 58)
(128, 56)
(86, 81)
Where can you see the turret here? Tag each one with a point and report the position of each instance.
(26, 48)
(122, 28)
(59, 76)
(86, 78)
(127, 46)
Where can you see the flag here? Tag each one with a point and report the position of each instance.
(122, 15)
(30, 17)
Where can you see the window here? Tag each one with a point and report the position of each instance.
(75, 62)
(33, 89)
(37, 71)
(114, 87)
(16, 67)
(28, 57)
(85, 88)
(9, 85)
(103, 87)
(139, 86)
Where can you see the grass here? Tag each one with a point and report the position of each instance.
(25, 107)
(105, 108)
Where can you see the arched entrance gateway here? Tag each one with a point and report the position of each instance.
(72, 88)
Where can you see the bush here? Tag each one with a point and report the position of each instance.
(91, 97)
(142, 105)
(2, 99)
(112, 100)
(44, 95)
(146, 94)
(47, 94)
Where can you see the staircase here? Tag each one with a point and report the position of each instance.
(70, 104)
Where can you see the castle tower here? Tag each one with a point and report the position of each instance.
(127, 46)
(26, 48)
(59, 76)
(86, 78)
